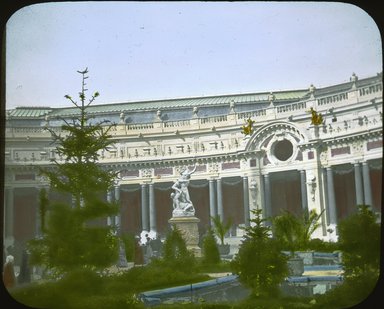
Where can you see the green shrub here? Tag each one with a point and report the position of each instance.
(320, 245)
(359, 241)
(175, 252)
(81, 281)
(129, 245)
(210, 250)
(222, 267)
(260, 263)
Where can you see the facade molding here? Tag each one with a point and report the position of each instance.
(154, 139)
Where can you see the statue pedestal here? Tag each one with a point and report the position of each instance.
(188, 226)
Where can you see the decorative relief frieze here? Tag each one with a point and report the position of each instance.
(324, 157)
(244, 164)
(179, 169)
(146, 173)
(42, 179)
(213, 167)
(358, 147)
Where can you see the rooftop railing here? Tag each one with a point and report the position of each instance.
(321, 104)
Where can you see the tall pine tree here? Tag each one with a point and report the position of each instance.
(260, 263)
(70, 238)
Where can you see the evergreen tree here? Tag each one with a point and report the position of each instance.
(260, 263)
(211, 253)
(175, 252)
(70, 238)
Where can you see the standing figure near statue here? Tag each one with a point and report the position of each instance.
(182, 204)
(9, 277)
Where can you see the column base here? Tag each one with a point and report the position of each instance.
(189, 228)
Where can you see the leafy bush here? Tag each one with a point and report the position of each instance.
(210, 250)
(320, 245)
(294, 232)
(221, 228)
(359, 240)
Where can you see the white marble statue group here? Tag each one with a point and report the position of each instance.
(182, 204)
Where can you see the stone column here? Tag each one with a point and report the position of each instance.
(144, 208)
(122, 258)
(110, 220)
(246, 201)
(118, 216)
(220, 209)
(152, 209)
(367, 185)
(304, 201)
(267, 197)
(327, 212)
(212, 200)
(331, 197)
(8, 216)
(358, 185)
(38, 226)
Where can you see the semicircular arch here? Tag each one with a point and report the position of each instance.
(278, 130)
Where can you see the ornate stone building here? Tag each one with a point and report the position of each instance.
(285, 164)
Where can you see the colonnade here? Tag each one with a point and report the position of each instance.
(362, 188)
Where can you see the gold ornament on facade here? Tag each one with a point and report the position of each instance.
(316, 118)
(248, 128)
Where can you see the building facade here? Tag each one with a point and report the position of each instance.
(286, 164)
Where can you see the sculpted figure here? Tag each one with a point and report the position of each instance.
(182, 204)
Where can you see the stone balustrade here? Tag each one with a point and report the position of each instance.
(321, 104)
(346, 122)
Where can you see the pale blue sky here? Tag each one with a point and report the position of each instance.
(156, 50)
